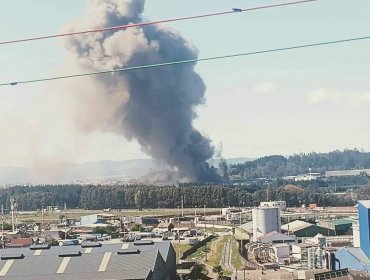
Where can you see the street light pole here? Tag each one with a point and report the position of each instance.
(240, 215)
(2, 227)
(205, 221)
(195, 220)
(178, 229)
(12, 205)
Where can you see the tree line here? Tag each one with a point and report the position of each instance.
(144, 196)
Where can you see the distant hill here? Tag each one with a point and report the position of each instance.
(278, 166)
(93, 172)
(68, 172)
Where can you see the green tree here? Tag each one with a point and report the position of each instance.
(137, 228)
(104, 230)
(139, 200)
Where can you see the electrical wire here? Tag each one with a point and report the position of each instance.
(118, 27)
(173, 63)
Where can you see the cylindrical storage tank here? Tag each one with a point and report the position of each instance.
(265, 220)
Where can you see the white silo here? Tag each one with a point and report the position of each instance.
(265, 220)
(356, 234)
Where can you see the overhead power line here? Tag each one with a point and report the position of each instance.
(118, 27)
(173, 63)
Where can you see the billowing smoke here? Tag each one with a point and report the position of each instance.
(223, 170)
(153, 106)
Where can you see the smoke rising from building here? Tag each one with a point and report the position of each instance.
(154, 106)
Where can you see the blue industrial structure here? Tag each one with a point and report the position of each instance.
(350, 257)
(364, 223)
(357, 258)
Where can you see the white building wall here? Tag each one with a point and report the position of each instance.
(356, 235)
(282, 253)
(265, 220)
(279, 204)
(297, 252)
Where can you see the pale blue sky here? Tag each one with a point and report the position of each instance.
(281, 103)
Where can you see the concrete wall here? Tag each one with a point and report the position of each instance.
(88, 219)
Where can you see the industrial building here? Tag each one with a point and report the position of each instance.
(276, 237)
(304, 229)
(364, 223)
(349, 257)
(357, 258)
(99, 219)
(278, 204)
(340, 226)
(144, 260)
(265, 220)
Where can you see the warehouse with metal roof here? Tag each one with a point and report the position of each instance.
(144, 260)
(304, 229)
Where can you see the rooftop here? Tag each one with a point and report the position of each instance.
(295, 225)
(76, 262)
(365, 203)
(358, 254)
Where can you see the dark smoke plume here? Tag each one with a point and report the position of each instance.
(153, 106)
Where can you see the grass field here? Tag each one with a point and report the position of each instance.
(217, 251)
(199, 254)
(235, 256)
(180, 249)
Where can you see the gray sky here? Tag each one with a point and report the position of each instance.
(280, 103)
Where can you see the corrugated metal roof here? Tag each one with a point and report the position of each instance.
(45, 265)
(247, 227)
(295, 225)
(275, 236)
(358, 254)
(162, 247)
(341, 222)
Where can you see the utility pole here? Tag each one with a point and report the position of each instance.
(2, 227)
(65, 223)
(182, 206)
(178, 230)
(240, 215)
(195, 217)
(205, 222)
(12, 208)
(42, 222)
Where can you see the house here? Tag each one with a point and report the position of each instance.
(20, 242)
(183, 227)
(165, 226)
